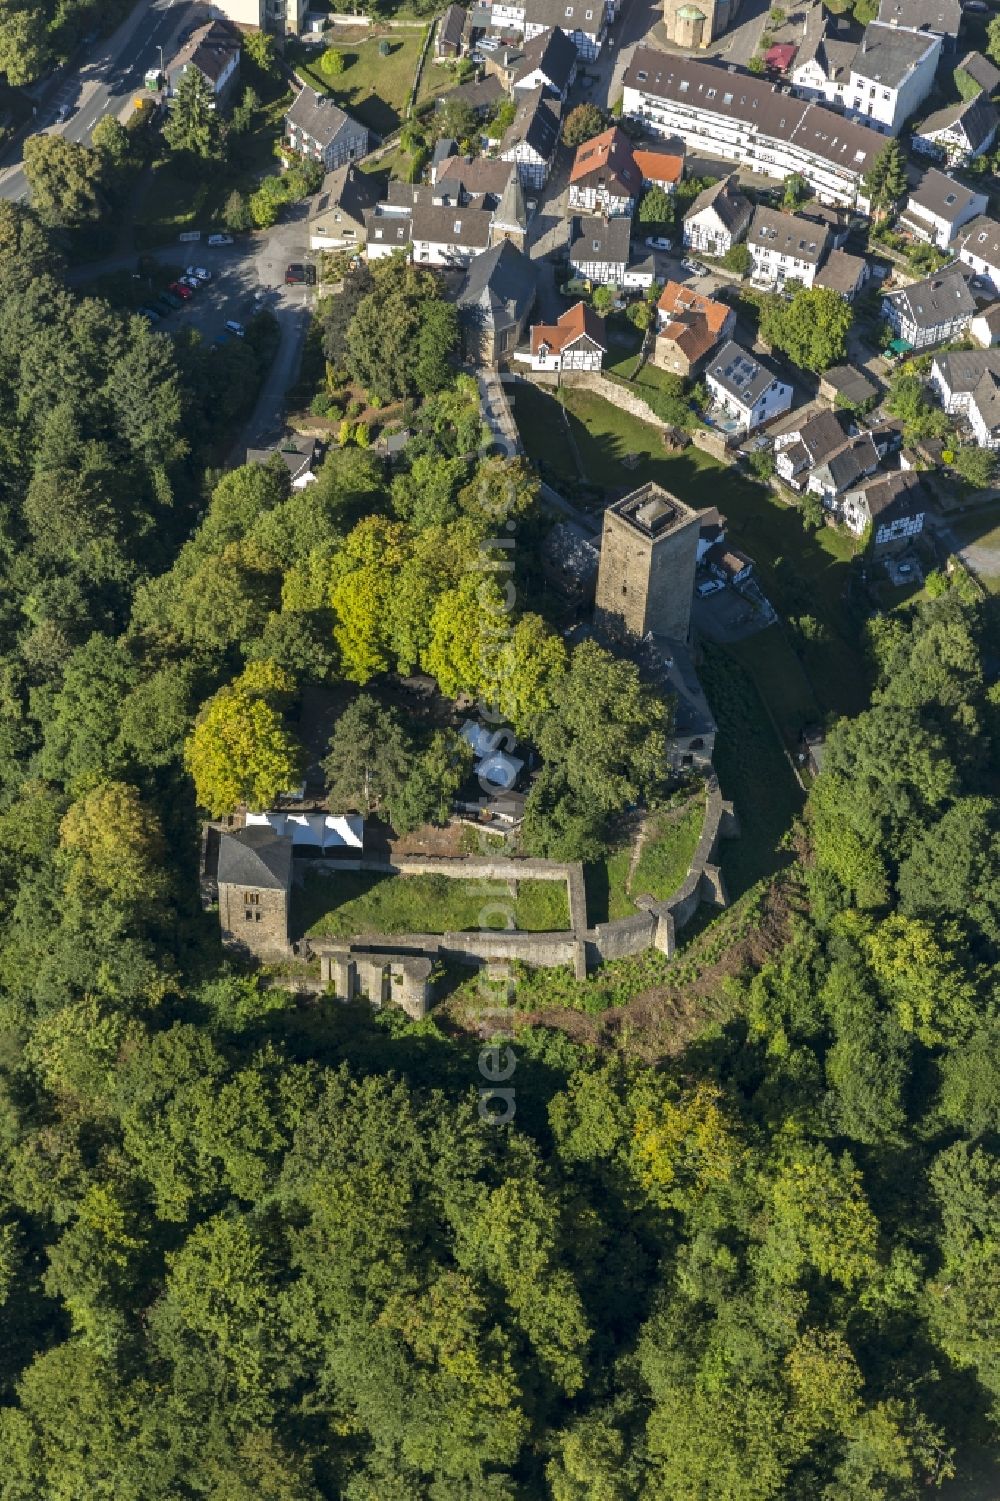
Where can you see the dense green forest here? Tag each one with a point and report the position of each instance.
(255, 1250)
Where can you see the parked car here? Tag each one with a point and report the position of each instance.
(710, 586)
(235, 328)
(180, 290)
(310, 274)
(198, 273)
(65, 110)
(294, 273)
(695, 267)
(220, 240)
(487, 44)
(191, 282)
(169, 300)
(657, 242)
(150, 313)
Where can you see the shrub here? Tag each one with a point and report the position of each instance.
(332, 63)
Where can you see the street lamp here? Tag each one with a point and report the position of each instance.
(160, 51)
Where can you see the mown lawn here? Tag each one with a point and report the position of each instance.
(372, 88)
(348, 902)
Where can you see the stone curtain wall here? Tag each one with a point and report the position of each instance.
(581, 948)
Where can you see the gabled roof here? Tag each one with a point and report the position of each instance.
(499, 286)
(725, 198)
(606, 159)
(466, 225)
(255, 857)
(856, 458)
(452, 26)
(210, 49)
(695, 322)
(941, 16)
(511, 211)
(821, 436)
(595, 239)
(536, 124)
(963, 369)
(850, 383)
(890, 496)
(976, 118)
(787, 234)
(986, 400)
(572, 15)
(554, 53)
(659, 166)
(348, 189)
(935, 301)
(481, 94)
(578, 322)
(841, 272)
(938, 194)
(296, 452)
(981, 71)
(981, 238)
(318, 117)
(889, 54)
(477, 174)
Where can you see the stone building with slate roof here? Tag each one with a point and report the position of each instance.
(255, 883)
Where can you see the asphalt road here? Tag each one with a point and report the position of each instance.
(101, 80)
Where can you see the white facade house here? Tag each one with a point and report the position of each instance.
(785, 248)
(318, 128)
(958, 133)
(938, 207)
(801, 446)
(548, 62)
(213, 50)
(968, 383)
(718, 218)
(930, 311)
(745, 389)
(886, 80)
(979, 248)
(985, 327)
(449, 234)
(264, 15)
(604, 178)
(576, 341)
(745, 119)
(584, 21)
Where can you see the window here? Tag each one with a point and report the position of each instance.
(248, 915)
(596, 244)
(378, 234)
(251, 898)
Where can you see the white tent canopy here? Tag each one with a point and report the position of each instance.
(325, 831)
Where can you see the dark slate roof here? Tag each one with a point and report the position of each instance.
(480, 95)
(500, 285)
(740, 373)
(977, 118)
(210, 49)
(733, 209)
(452, 224)
(963, 369)
(788, 234)
(888, 496)
(935, 300)
(942, 16)
(941, 195)
(297, 453)
(452, 27)
(889, 54)
(841, 272)
(821, 436)
(536, 123)
(857, 458)
(256, 857)
(348, 189)
(981, 238)
(554, 53)
(596, 239)
(572, 15)
(318, 116)
(850, 383)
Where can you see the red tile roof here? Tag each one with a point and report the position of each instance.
(695, 322)
(576, 322)
(609, 153)
(659, 166)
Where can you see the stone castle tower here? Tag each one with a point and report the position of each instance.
(648, 554)
(255, 884)
(695, 23)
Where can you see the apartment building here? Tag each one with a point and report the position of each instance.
(785, 248)
(885, 80)
(745, 119)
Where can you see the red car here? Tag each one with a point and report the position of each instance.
(180, 290)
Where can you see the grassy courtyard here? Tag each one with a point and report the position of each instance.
(349, 902)
(372, 88)
(665, 858)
